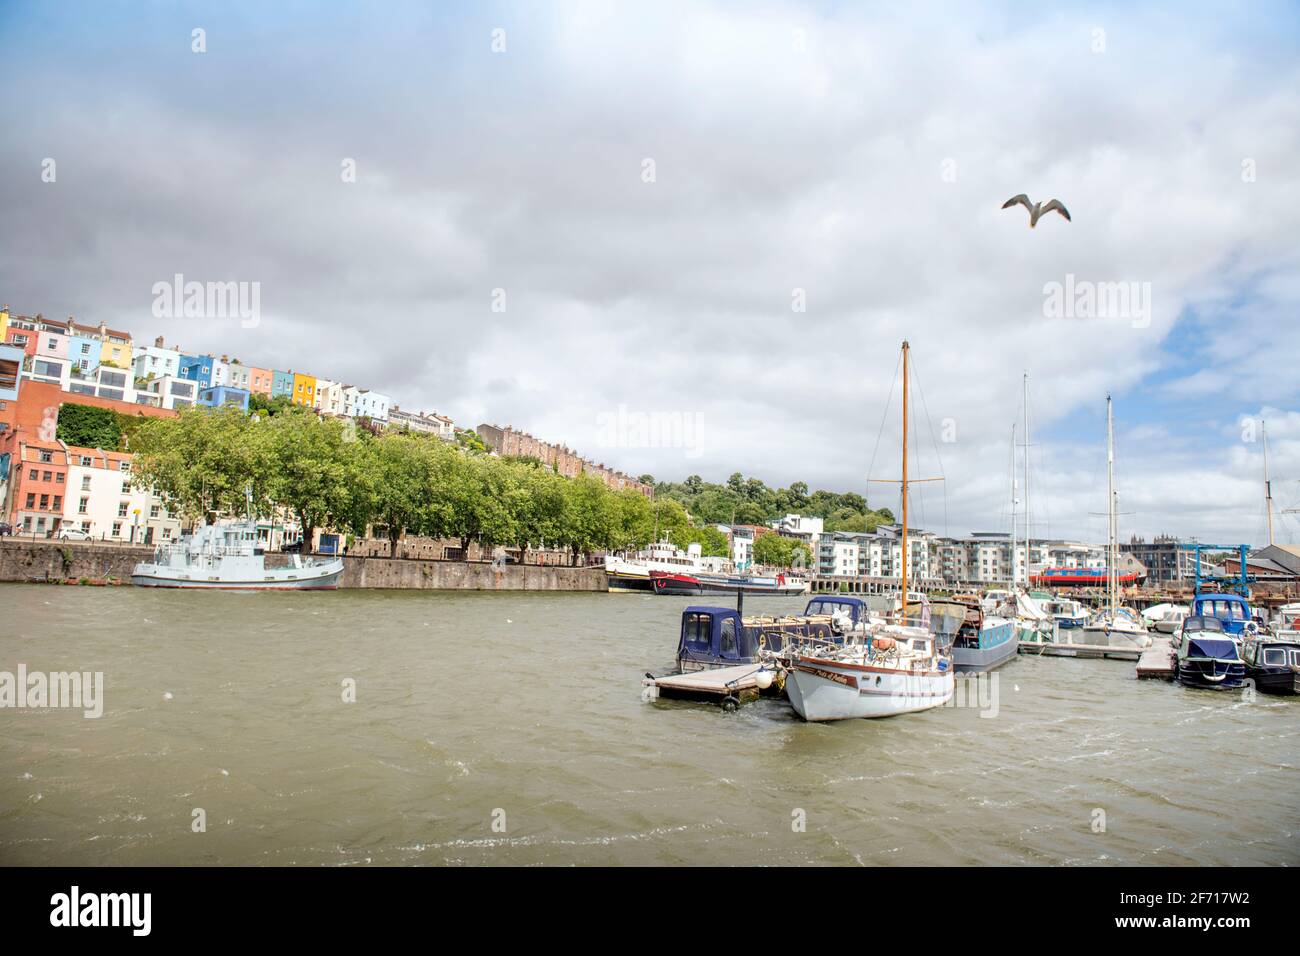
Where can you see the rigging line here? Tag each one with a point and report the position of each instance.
(938, 457)
(889, 398)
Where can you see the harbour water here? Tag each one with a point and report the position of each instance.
(510, 729)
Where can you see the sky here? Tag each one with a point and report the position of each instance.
(689, 238)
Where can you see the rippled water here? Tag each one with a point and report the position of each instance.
(529, 704)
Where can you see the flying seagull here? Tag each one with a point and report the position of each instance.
(1037, 209)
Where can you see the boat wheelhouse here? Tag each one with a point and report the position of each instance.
(1206, 655)
(1232, 610)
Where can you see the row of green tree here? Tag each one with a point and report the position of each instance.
(749, 501)
(331, 474)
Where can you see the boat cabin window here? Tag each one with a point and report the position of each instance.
(1274, 657)
(830, 608)
(1227, 610)
(728, 637)
(698, 630)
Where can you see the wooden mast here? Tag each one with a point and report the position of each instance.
(903, 601)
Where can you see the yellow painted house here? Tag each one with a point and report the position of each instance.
(304, 389)
(4, 323)
(116, 349)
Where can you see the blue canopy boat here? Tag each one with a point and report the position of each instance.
(1207, 655)
(721, 637)
(1232, 611)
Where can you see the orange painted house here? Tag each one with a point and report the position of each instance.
(259, 380)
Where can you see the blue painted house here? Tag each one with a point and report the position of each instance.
(196, 368)
(281, 383)
(84, 348)
(218, 395)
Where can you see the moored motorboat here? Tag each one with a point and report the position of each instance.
(1067, 613)
(226, 557)
(1166, 618)
(1207, 656)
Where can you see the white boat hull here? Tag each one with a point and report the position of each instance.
(1114, 637)
(308, 578)
(832, 690)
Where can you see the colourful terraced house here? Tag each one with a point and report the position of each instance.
(281, 384)
(304, 390)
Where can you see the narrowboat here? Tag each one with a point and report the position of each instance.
(1082, 577)
(696, 584)
(1273, 663)
(982, 641)
(1207, 656)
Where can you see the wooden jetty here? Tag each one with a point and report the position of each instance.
(1062, 649)
(1157, 660)
(728, 686)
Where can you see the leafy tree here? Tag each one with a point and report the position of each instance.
(634, 520)
(712, 542)
(267, 406)
(780, 552)
(204, 461)
(588, 521)
(395, 489)
(89, 426)
(309, 464)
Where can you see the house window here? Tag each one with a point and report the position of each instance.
(121, 509)
(117, 529)
(153, 511)
(47, 476)
(58, 502)
(31, 500)
(85, 506)
(47, 456)
(85, 350)
(34, 475)
(45, 502)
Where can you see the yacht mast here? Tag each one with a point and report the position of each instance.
(1111, 572)
(1028, 532)
(1013, 506)
(1268, 487)
(902, 612)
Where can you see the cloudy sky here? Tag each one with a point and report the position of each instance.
(714, 224)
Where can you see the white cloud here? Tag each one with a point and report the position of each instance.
(819, 169)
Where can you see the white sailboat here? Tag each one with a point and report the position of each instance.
(1114, 626)
(895, 668)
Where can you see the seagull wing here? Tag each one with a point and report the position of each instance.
(1056, 204)
(1022, 199)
